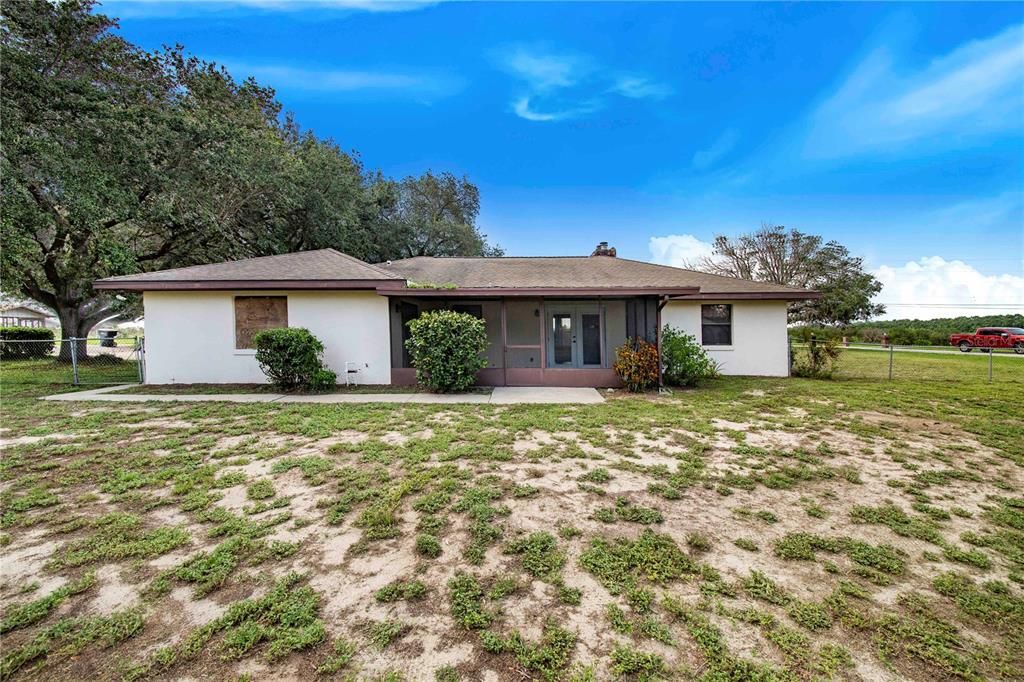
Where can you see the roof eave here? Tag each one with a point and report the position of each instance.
(543, 291)
(249, 284)
(751, 296)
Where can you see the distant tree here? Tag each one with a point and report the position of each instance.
(435, 215)
(793, 258)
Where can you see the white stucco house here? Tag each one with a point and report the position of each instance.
(553, 321)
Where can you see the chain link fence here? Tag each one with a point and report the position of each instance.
(76, 361)
(890, 362)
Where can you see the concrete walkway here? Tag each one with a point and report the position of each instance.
(504, 395)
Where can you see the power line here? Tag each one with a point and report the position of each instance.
(955, 305)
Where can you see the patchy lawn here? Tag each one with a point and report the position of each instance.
(759, 529)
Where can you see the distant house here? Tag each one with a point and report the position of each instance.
(553, 321)
(15, 313)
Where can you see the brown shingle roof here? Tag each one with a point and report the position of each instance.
(330, 269)
(577, 272)
(327, 267)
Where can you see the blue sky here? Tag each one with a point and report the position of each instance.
(897, 130)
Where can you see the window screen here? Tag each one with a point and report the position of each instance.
(476, 311)
(256, 313)
(716, 324)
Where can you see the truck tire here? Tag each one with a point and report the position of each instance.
(965, 346)
(1018, 348)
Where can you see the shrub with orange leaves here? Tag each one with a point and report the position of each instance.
(636, 363)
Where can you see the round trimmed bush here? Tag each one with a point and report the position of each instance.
(291, 359)
(447, 349)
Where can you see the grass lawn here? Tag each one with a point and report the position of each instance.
(756, 529)
(867, 364)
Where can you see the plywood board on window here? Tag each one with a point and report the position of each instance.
(257, 313)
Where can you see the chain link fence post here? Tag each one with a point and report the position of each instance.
(140, 357)
(74, 360)
(991, 352)
(890, 361)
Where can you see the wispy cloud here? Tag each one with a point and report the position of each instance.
(640, 87)
(547, 71)
(725, 143)
(413, 85)
(558, 85)
(525, 108)
(974, 90)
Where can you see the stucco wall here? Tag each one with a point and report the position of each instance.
(759, 344)
(190, 336)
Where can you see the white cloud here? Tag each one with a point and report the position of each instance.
(924, 289)
(679, 250)
(422, 86)
(562, 85)
(546, 71)
(525, 109)
(640, 87)
(919, 289)
(974, 90)
(725, 143)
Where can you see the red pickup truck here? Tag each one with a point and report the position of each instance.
(990, 337)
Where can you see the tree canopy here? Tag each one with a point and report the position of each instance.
(793, 258)
(117, 160)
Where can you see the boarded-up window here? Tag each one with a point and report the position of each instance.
(256, 313)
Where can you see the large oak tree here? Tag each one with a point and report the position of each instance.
(116, 160)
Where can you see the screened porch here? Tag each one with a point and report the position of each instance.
(536, 341)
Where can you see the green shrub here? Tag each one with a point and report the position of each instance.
(636, 363)
(447, 349)
(818, 360)
(686, 362)
(39, 342)
(291, 359)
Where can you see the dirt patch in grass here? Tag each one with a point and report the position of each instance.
(708, 532)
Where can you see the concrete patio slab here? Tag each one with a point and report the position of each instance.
(329, 398)
(499, 396)
(514, 395)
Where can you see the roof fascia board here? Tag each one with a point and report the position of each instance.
(224, 285)
(543, 291)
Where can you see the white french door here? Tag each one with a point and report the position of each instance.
(574, 336)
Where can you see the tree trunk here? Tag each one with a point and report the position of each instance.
(73, 326)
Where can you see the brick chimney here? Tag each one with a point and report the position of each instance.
(604, 250)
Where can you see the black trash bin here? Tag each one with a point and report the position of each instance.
(107, 337)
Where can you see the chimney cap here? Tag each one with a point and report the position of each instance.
(604, 250)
